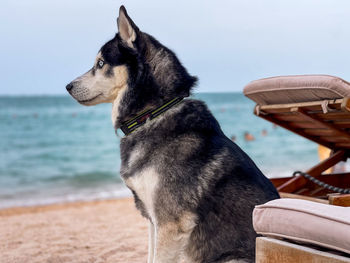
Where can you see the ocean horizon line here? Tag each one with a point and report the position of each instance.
(67, 95)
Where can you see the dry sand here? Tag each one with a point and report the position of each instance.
(101, 231)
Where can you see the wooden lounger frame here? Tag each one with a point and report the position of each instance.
(271, 250)
(324, 122)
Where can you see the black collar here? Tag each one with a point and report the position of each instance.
(131, 125)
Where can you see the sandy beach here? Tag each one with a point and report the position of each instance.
(100, 231)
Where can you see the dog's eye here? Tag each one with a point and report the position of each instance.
(100, 63)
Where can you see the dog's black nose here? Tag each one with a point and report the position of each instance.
(69, 87)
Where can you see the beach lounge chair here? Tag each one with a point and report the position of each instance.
(316, 107)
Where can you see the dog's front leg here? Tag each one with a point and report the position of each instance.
(151, 242)
(172, 239)
(169, 244)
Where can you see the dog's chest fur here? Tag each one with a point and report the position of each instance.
(143, 182)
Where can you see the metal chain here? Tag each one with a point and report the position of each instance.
(322, 184)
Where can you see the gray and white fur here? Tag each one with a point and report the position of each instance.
(195, 186)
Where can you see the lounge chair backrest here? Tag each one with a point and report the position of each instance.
(294, 89)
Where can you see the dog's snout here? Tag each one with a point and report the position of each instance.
(69, 87)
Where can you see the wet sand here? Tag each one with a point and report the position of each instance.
(100, 231)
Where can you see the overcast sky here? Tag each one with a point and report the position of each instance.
(45, 44)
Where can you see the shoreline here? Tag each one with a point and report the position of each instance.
(91, 231)
(63, 196)
(105, 193)
(19, 210)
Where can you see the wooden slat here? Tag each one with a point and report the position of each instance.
(303, 197)
(340, 200)
(318, 121)
(332, 119)
(302, 191)
(299, 132)
(277, 110)
(332, 160)
(339, 180)
(279, 181)
(335, 139)
(298, 182)
(342, 145)
(319, 191)
(320, 132)
(315, 109)
(331, 104)
(271, 250)
(333, 116)
(304, 124)
(311, 189)
(343, 124)
(291, 117)
(335, 106)
(292, 185)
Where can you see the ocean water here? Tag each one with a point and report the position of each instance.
(54, 150)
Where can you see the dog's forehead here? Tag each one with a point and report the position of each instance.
(110, 50)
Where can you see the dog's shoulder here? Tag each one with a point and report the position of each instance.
(143, 185)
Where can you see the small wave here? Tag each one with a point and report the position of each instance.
(90, 178)
(45, 199)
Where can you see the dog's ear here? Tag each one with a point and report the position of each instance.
(127, 29)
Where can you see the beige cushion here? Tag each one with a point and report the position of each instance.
(293, 89)
(306, 221)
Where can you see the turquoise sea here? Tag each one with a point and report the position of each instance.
(54, 150)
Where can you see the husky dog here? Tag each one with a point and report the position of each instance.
(195, 186)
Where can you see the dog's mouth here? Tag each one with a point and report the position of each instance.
(89, 100)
